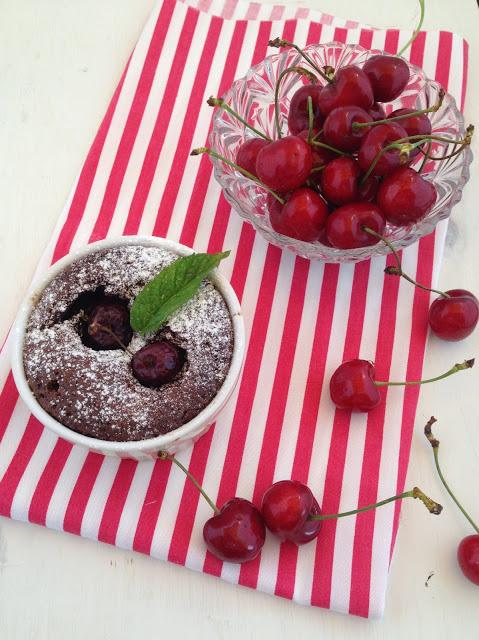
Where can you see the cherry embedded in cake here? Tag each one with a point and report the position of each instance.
(81, 355)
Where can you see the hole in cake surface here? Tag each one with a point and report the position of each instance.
(53, 385)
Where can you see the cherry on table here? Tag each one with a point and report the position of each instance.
(157, 363)
(237, 533)
(388, 76)
(285, 164)
(286, 508)
(350, 86)
(344, 227)
(379, 137)
(468, 557)
(108, 326)
(298, 115)
(405, 196)
(339, 180)
(456, 317)
(352, 386)
(338, 130)
(302, 217)
(248, 152)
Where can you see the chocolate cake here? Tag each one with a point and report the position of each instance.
(93, 390)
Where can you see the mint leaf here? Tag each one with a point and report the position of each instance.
(170, 289)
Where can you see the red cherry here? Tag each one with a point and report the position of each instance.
(285, 164)
(339, 180)
(302, 217)
(350, 86)
(298, 116)
(157, 363)
(286, 508)
(338, 130)
(456, 317)
(344, 225)
(237, 533)
(377, 111)
(374, 141)
(248, 152)
(388, 75)
(368, 190)
(468, 557)
(415, 125)
(108, 326)
(352, 386)
(405, 197)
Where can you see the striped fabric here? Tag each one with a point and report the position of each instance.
(302, 319)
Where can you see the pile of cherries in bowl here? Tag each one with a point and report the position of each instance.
(351, 158)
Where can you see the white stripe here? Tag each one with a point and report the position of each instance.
(13, 435)
(98, 497)
(135, 499)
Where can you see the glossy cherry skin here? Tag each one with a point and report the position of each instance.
(237, 533)
(352, 386)
(302, 217)
(374, 141)
(468, 557)
(415, 125)
(285, 164)
(298, 115)
(339, 180)
(377, 111)
(286, 507)
(456, 317)
(248, 152)
(344, 225)
(405, 197)
(350, 86)
(338, 130)
(157, 363)
(388, 75)
(107, 318)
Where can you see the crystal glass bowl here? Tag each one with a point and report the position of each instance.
(253, 98)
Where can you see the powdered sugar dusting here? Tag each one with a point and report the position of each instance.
(94, 392)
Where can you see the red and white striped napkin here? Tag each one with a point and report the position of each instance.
(303, 318)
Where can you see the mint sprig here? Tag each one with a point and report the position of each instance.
(170, 289)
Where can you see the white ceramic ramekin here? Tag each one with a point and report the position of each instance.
(171, 442)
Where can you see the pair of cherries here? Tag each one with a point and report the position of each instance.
(107, 326)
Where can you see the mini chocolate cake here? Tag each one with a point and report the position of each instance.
(92, 389)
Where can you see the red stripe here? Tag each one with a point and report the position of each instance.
(40, 501)
(203, 176)
(116, 501)
(161, 125)
(87, 175)
(465, 72)
(182, 153)
(391, 41)
(133, 122)
(366, 38)
(279, 396)
(8, 400)
(443, 64)
(229, 9)
(323, 566)
(364, 530)
(309, 414)
(185, 519)
(150, 511)
(18, 464)
(81, 493)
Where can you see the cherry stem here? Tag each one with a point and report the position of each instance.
(247, 174)
(435, 447)
(279, 42)
(407, 144)
(164, 455)
(426, 157)
(397, 271)
(317, 169)
(310, 119)
(467, 364)
(219, 102)
(417, 30)
(431, 505)
(433, 109)
(108, 330)
(300, 71)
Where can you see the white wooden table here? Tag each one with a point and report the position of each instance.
(59, 61)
